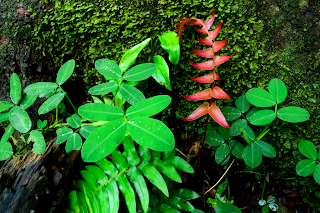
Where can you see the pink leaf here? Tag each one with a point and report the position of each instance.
(203, 95)
(215, 112)
(206, 78)
(217, 92)
(215, 32)
(207, 53)
(200, 111)
(208, 25)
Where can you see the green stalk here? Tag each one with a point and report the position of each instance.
(69, 100)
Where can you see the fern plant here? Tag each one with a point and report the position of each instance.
(99, 191)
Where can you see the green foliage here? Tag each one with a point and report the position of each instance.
(131, 173)
(268, 204)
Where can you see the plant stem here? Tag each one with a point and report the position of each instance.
(203, 139)
(69, 100)
(220, 178)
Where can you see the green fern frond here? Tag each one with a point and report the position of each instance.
(131, 172)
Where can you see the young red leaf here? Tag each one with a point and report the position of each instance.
(215, 32)
(215, 112)
(208, 65)
(207, 41)
(203, 95)
(217, 92)
(208, 25)
(206, 78)
(207, 53)
(200, 111)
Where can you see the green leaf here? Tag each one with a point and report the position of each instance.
(100, 112)
(222, 153)
(144, 153)
(155, 154)
(74, 121)
(167, 169)
(260, 98)
(5, 105)
(40, 87)
(7, 134)
(103, 141)
(252, 155)
(186, 194)
(249, 132)
(162, 72)
(103, 89)
(97, 100)
(262, 117)
(164, 208)
(241, 123)
(266, 149)
(128, 192)
(74, 143)
(221, 189)
(152, 174)
(140, 186)
(237, 151)
(180, 164)
(27, 101)
(149, 107)
(65, 71)
(6, 150)
(242, 104)
(87, 192)
(278, 90)
(20, 119)
(213, 138)
(130, 152)
(130, 56)
(271, 199)
(265, 209)
(179, 203)
(293, 114)
(305, 167)
(140, 72)
(15, 88)
(227, 208)
(108, 68)
(151, 133)
(230, 113)
(39, 145)
(86, 130)
(317, 194)
(225, 133)
(252, 111)
(168, 154)
(131, 94)
(51, 103)
(197, 211)
(63, 134)
(170, 43)
(4, 116)
(308, 149)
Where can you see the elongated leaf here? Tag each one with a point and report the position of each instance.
(260, 98)
(227, 208)
(63, 134)
(100, 112)
(168, 154)
(6, 150)
(316, 174)
(108, 68)
(39, 145)
(155, 154)
(149, 107)
(241, 123)
(140, 72)
(130, 56)
(213, 138)
(186, 194)
(262, 117)
(305, 167)
(167, 169)
(197, 211)
(20, 119)
(151, 133)
(7, 134)
(170, 43)
(104, 88)
(27, 101)
(278, 90)
(65, 71)
(144, 153)
(162, 72)
(152, 174)
(15, 88)
(293, 114)
(237, 151)
(165, 208)
(104, 140)
(266, 149)
(74, 143)
(92, 204)
(82, 201)
(128, 192)
(252, 156)
(4, 116)
(40, 87)
(249, 132)
(86, 130)
(179, 203)
(180, 164)
(131, 94)
(51, 103)
(130, 152)
(5, 105)
(242, 104)
(74, 121)
(308, 149)
(222, 152)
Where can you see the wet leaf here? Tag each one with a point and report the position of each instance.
(108, 68)
(74, 142)
(293, 114)
(65, 71)
(140, 72)
(305, 167)
(20, 119)
(260, 98)
(40, 87)
(161, 74)
(15, 88)
(278, 90)
(51, 103)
